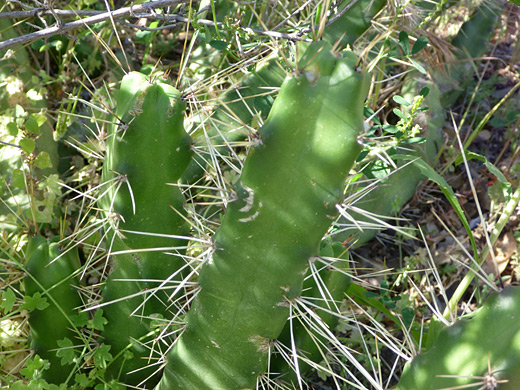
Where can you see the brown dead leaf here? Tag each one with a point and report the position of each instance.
(505, 247)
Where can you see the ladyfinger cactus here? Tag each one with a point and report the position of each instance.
(238, 107)
(287, 195)
(473, 353)
(51, 274)
(147, 152)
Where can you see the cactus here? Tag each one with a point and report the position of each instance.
(464, 354)
(147, 151)
(237, 107)
(354, 22)
(336, 281)
(262, 248)
(471, 41)
(127, 332)
(399, 187)
(149, 138)
(235, 110)
(51, 274)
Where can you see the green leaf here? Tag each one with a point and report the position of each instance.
(370, 294)
(82, 380)
(143, 36)
(39, 384)
(19, 112)
(362, 155)
(128, 355)
(52, 386)
(497, 122)
(40, 118)
(419, 44)
(98, 321)
(18, 179)
(18, 385)
(414, 140)
(408, 316)
(506, 185)
(424, 92)
(388, 302)
(31, 125)
(400, 100)
(12, 129)
(80, 320)
(357, 292)
(43, 161)
(399, 113)
(207, 34)
(34, 367)
(418, 66)
(36, 302)
(67, 352)
(8, 300)
(102, 356)
(28, 145)
(390, 129)
(446, 189)
(404, 42)
(219, 45)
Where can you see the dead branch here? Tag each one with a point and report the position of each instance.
(55, 30)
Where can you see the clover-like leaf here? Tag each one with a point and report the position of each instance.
(66, 351)
(35, 302)
(8, 300)
(34, 367)
(98, 322)
(102, 356)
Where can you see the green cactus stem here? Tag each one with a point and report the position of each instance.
(354, 22)
(399, 187)
(147, 152)
(287, 194)
(128, 331)
(471, 350)
(238, 107)
(51, 274)
(332, 271)
(235, 112)
(471, 42)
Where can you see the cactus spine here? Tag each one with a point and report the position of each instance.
(287, 194)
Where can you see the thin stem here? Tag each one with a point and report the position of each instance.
(464, 284)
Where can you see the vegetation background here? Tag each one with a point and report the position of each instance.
(427, 231)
